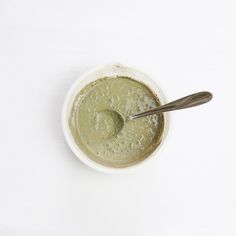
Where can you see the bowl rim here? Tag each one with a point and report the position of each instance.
(87, 78)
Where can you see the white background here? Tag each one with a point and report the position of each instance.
(186, 46)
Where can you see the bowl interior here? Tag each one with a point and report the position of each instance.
(85, 79)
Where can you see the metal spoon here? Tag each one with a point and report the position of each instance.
(192, 100)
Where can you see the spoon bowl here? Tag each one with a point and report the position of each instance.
(108, 123)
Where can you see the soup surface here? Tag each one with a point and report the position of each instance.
(102, 135)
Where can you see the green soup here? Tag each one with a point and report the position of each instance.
(99, 133)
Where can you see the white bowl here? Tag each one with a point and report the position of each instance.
(88, 77)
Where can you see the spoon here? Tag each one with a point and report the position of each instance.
(192, 100)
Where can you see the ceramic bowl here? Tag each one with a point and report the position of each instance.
(88, 77)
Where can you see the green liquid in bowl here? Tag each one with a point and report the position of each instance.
(100, 134)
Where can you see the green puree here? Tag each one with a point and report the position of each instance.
(101, 135)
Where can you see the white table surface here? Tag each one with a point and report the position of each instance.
(186, 46)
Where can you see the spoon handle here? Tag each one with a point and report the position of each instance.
(182, 103)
